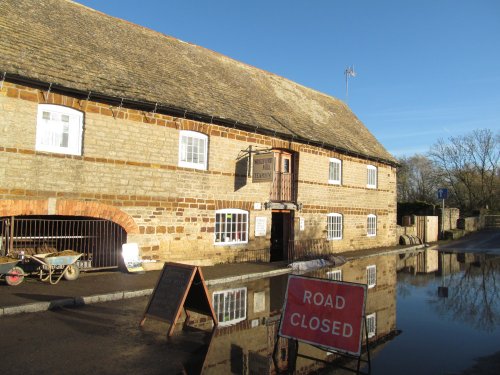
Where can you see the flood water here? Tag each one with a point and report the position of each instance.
(429, 313)
(449, 318)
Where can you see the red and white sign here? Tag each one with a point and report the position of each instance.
(324, 312)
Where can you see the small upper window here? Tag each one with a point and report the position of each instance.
(371, 177)
(193, 150)
(334, 226)
(231, 227)
(335, 172)
(371, 276)
(59, 129)
(371, 225)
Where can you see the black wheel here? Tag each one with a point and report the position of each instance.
(15, 276)
(72, 272)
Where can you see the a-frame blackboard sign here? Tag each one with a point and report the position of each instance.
(179, 286)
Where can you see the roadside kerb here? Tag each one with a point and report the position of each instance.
(114, 296)
(386, 252)
(258, 275)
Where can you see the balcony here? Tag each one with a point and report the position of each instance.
(282, 189)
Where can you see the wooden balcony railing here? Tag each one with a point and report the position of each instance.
(282, 189)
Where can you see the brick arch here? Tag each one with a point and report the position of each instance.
(69, 208)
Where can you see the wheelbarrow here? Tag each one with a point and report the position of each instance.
(12, 274)
(53, 267)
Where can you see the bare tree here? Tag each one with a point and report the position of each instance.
(474, 293)
(468, 165)
(417, 179)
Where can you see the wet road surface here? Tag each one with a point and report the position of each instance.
(433, 313)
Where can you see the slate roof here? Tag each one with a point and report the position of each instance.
(70, 45)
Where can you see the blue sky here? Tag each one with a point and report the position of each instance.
(426, 69)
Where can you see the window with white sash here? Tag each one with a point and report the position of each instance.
(334, 275)
(59, 129)
(231, 227)
(230, 306)
(335, 172)
(371, 276)
(334, 226)
(371, 182)
(193, 148)
(371, 225)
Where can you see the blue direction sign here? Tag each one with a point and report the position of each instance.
(442, 193)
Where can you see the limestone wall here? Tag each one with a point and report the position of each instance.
(130, 163)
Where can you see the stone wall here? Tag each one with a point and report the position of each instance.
(450, 218)
(130, 165)
(469, 224)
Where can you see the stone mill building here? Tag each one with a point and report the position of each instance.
(113, 133)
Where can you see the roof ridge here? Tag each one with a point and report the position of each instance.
(216, 53)
(88, 50)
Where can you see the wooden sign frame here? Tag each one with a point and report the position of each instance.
(179, 286)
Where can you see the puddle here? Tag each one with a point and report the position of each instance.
(427, 313)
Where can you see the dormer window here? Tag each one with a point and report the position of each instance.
(59, 129)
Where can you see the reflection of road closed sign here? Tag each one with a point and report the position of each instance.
(324, 312)
(263, 167)
(442, 193)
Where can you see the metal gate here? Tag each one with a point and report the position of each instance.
(99, 240)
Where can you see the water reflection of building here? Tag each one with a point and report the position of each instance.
(419, 261)
(379, 273)
(469, 285)
(249, 318)
(241, 343)
(428, 261)
(461, 284)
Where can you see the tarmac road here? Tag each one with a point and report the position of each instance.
(105, 338)
(485, 242)
(100, 338)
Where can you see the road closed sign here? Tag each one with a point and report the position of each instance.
(325, 313)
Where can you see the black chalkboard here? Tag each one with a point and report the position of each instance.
(179, 286)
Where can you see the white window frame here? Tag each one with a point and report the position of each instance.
(332, 179)
(371, 225)
(57, 124)
(187, 156)
(371, 325)
(225, 235)
(230, 305)
(371, 276)
(334, 226)
(334, 275)
(371, 177)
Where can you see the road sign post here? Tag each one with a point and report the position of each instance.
(442, 194)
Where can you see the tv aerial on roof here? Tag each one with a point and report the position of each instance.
(349, 72)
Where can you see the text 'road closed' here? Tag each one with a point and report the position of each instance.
(324, 312)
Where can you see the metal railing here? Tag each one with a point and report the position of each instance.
(492, 221)
(258, 255)
(308, 249)
(100, 241)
